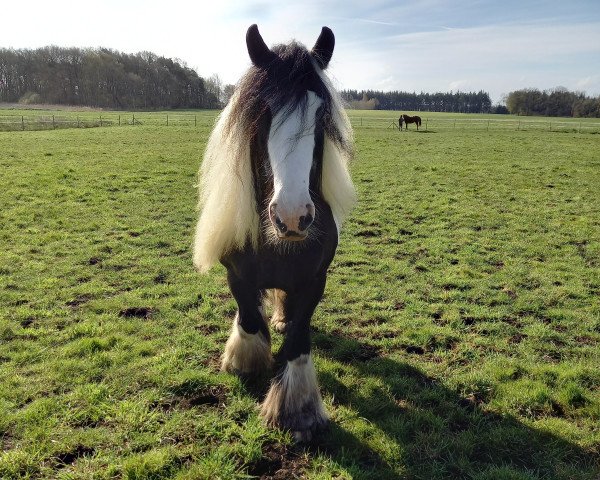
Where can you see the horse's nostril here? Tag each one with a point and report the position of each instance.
(280, 225)
(305, 221)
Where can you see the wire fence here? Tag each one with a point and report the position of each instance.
(53, 121)
(436, 124)
(12, 122)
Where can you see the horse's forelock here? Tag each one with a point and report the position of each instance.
(281, 86)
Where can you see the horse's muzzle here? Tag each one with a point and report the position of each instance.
(291, 227)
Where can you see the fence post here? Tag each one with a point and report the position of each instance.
(579, 127)
(22, 122)
(100, 120)
(77, 121)
(519, 125)
(455, 123)
(133, 121)
(194, 120)
(53, 124)
(167, 119)
(119, 120)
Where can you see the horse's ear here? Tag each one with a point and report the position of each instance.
(259, 53)
(323, 49)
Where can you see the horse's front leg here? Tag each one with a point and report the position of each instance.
(293, 401)
(248, 349)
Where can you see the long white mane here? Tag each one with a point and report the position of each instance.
(227, 204)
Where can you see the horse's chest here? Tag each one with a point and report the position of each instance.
(271, 268)
(288, 270)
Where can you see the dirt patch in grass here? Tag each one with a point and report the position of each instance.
(278, 463)
(513, 322)
(352, 263)
(585, 340)
(223, 296)
(510, 292)
(160, 278)
(517, 338)
(384, 335)
(209, 329)
(368, 233)
(79, 300)
(6, 442)
(367, 352)
(399, 305)
(471, 401)
(137, 312)
(415, 349)
(214, 396)
(26, 322)
(70, 456)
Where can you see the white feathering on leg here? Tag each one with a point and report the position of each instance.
(246, 352)
(294, 402)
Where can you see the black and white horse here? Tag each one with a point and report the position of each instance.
(274, 189)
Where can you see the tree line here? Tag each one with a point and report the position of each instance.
(558, 102)
(458, 102)
(103, 78)
(107, 78)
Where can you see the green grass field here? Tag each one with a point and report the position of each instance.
(458, 337)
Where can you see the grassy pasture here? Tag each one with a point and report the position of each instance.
(52, 119)
(458, 338)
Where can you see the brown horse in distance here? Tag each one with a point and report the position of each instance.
(406, 119)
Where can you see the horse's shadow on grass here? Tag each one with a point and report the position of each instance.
(425, 430)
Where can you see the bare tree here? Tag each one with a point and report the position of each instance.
(214, 87)
(102, 78)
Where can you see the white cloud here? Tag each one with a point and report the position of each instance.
(590, 83)
(495, 59)
(459, 85)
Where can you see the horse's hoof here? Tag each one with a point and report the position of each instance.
(293, 402)
(302, 436)
(279, 325)
(303, 423)
(305, 436)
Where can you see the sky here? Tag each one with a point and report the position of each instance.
(421, 45)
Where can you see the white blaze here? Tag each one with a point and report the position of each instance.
(291, 144)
